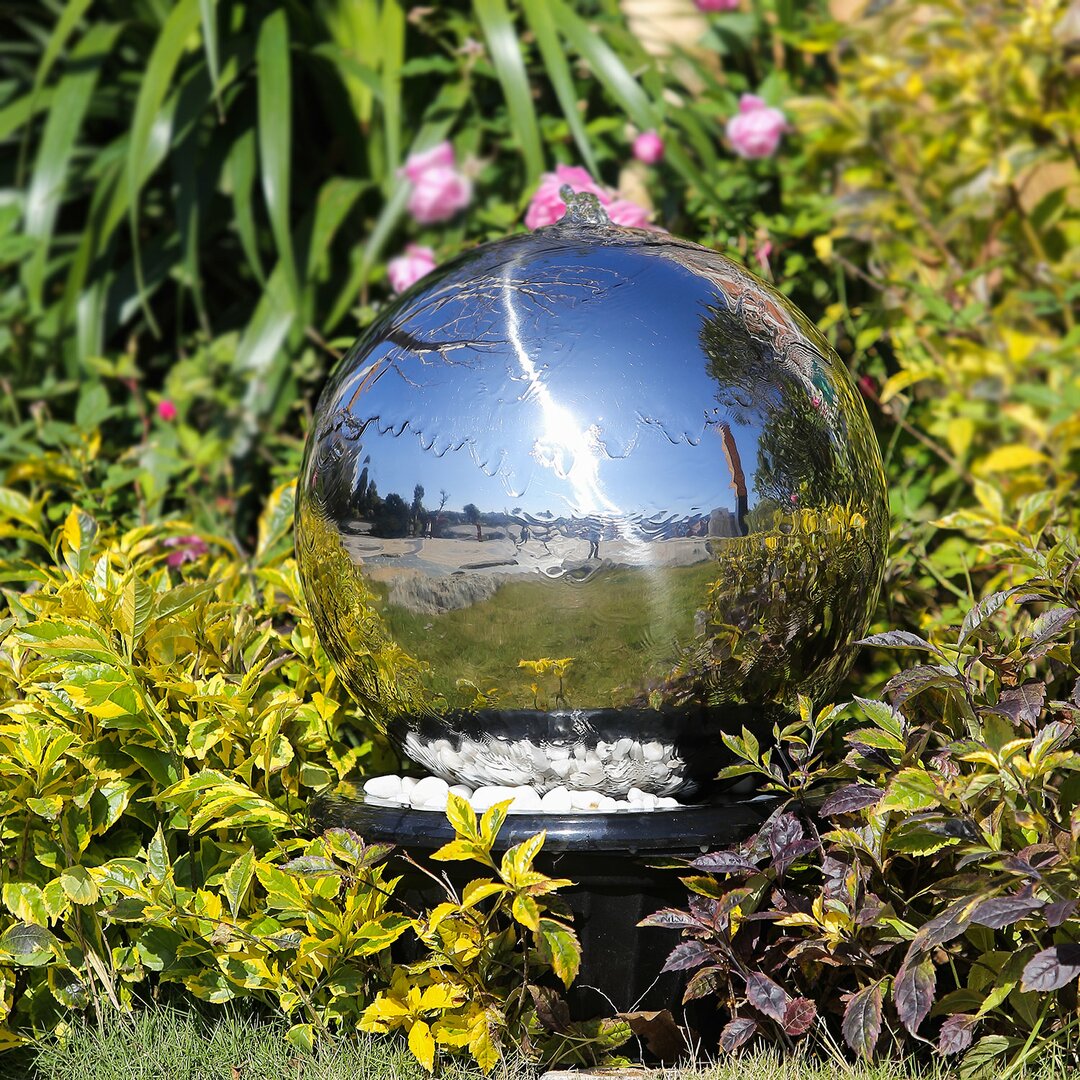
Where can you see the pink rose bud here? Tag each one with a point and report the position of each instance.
(755, 132)
(716, 5)
(438, 195)
(868, 386)
(439, 191)
(628, 214)
(440, 156)
(547, 206)
(166, 410)
(409, 268)
(649, 147)
(186, 549)
(762, 254)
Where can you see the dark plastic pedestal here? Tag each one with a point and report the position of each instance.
(606, 855)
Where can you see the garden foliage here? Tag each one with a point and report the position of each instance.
(198, 201)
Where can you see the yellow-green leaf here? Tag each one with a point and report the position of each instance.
(422, 1044)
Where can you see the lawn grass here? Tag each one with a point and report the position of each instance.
(189, 1044)
(622, 626)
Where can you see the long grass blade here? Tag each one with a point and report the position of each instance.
(439, 118)
(208, 18)
(169, 47)
(538, 14)
(46, 193)
(275, 138)
(502, 40)
(625, 90)
(70, 17)
(392, 58)
(241, 169)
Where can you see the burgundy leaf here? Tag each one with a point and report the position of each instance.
(913, 992)
(951, 923)
(798, 1016)
(956, 1033)
(1023, 704)
(1056, 914)
(851, 798)
(794, 851)
(1052, 968)
(724, 862)
(980, 613)
(551, 1010)
(862, 1020)
(736, 1032)
(897, 639)
(766, 996)
(1001, 911)
(671, 918)
(702, 983)
(686, 955)
(914, 680)
(1051, 623)
(786, 829)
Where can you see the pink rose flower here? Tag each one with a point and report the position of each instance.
(439, 190)
(166, 410)
(440, 156)
(649, 147)
(762, 254)
(716, 5)
(410, 267)
(755, 131)
(188, 549)
(547, 206)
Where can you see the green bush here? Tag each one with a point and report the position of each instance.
(163, 728)
(919, 877)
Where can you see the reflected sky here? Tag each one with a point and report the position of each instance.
(573, 399)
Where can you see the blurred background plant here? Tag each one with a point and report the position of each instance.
(202, 202)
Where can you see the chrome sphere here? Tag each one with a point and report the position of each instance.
(581, 501)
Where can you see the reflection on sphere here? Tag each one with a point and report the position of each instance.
(592, 495)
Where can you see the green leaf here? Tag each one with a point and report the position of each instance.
(911, 789)
(78, 885)
(28, 944)
(503, 45)
(71, 99)
(240, 166)
(208, 18)
(561, 949)
(557, 68)
(275, 137)
(170, 46)
(276, 520)
(136, 607)
(25, 901)
(391, 58)
(237, 879)
(461, 815)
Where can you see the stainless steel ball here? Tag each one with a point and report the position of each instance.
(583, 500)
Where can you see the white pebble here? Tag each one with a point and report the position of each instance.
(407, 784)
(635, 795)
(653, 751)
(429, 792)
(608, 803)
(557, 801)
(586, 800)
(667, 802)
(460, 789)
(485, 797)
(562, 767)
(383, 787)
(526, 799)
(622, 748)
(558, 753)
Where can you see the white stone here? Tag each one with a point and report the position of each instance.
(485, 797)
(557, 801)
(461, 790)
(621, 749)
(407, 784)
(526, 799)
(430, 792)
(635, 795)
(608, 803)
(558, 753)
(561, 767)
(585, 800)
(383, 787)
(667, 802)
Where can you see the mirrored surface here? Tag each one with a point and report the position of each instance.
(592, 495)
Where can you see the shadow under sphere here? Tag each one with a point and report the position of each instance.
(580, 501)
